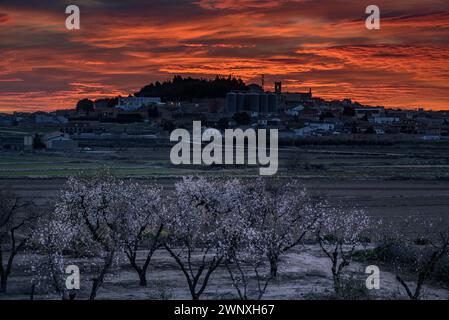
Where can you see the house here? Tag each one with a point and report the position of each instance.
(324, 126)
(294, 98)
(310, 114)
(315, 128)
(294, 111)
(47, 118)
(274, 123)
(305, 131)
(135, 103)
(363, 112)
(383, 120)
(11, 142)
(28, 142)
(59, 141)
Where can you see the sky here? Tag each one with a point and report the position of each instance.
(322, 44)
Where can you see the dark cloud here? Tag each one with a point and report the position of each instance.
(123, 45)
(3, 18)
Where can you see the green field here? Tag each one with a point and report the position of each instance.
(395, 162)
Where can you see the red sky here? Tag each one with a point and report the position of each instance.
(323, 44)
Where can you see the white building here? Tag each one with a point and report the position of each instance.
(134, 103)
(314, 128)
(383, 120)
(59, 141)
(324, 126)
(294, 111)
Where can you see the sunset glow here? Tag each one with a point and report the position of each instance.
(323, 44)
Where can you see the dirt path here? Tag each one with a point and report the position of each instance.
(304, 274)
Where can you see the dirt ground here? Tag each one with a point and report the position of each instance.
(305, 273)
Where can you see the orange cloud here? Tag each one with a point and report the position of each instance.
(305, 43)
(4, 18)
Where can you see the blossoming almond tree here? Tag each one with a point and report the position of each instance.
(423, 243)
(423, 264)
(141, 224)
(16, 225)
(201, 215)
(53, 235)
(245, 260)
(282, 212)
(339, 233)
(95, 207)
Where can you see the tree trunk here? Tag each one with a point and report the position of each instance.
(3, 283)
(141, 272)
(337, 283)
(33, 289)
(95, 286)
(407, 289)
(143, 278)
(273, 267)
(194, 295)
(97, 282)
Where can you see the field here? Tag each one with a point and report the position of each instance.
(398, 161)
(391, 182)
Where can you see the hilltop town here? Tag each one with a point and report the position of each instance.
(221, 103)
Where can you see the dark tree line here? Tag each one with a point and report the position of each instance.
(87, 105)
(177, 89)
(189, 88)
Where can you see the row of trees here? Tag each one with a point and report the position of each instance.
(244, 227)
(180, 88)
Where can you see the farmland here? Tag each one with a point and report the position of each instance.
(413, 161)
(391, 182)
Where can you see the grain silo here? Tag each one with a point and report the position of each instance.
(231, 102)
(272, 103)
(263, 103)
(253, 102)
(242, 102)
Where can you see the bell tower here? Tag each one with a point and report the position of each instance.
(278, 87)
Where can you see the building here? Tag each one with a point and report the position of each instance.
(231, 102)
(134, 103)
(28, 142)
(254, 102)
(278, 87)
(383, 120)
(59, 141)
(11, 141)
(294, 111)
(310, 115)
(296, 98)
(47, 118)
(315, 128)
(363, 112)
